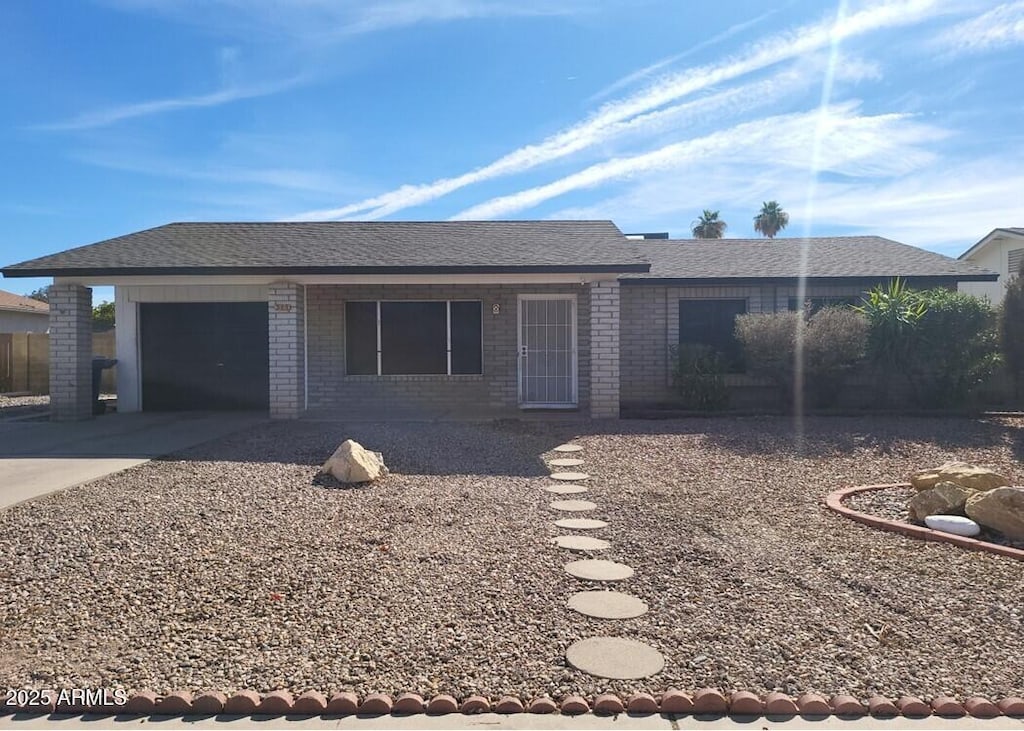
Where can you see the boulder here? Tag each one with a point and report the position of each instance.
(352, 463)
(946, 498)
(963, 474)
(1000, 509)
(955, 524)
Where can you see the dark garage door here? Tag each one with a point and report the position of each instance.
(204, 356)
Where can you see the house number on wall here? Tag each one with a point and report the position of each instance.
(283, 307)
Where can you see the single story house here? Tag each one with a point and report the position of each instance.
(1002, 252)
(428, 319)
(20, 314)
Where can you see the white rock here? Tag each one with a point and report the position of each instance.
(352, 463)
(955, 524)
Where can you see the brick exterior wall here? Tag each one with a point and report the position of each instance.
(287, 350)
(604, 350)
(650, 326)
(70, 352)
(492, 394)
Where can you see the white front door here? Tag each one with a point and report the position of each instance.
(547, 350)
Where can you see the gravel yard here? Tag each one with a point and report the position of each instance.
(230, 567)
(15, 406)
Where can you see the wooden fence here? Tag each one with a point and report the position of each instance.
(25, 362)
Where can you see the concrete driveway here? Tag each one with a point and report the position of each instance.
(37, 458)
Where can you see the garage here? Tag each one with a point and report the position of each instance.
(204, 356)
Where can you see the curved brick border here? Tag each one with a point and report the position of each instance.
(710, 701)
(835, 501)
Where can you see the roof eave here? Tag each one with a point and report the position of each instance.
(17, 271)
(753, 281)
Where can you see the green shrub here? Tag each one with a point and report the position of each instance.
(1011, 332)
(834, 342)
(698, 376)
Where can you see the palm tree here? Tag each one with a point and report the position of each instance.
(708, 226)
(771, 219)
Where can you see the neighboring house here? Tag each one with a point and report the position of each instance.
(1002, 251)
(427, 319)
(20, 314)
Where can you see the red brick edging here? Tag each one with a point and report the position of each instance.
(706, 701)
(835, 501)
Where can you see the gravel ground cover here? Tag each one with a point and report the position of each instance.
(14, 406)
(231, 566)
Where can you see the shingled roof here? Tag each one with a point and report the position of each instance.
(345, 247)
(10, 302)
(827, 258)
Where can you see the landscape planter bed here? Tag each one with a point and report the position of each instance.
(836, 502)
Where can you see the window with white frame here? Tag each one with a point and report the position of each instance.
(407, 337)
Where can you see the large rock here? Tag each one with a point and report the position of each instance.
(946, 498)
(961, 473)
(1000, 509)
(352, 463)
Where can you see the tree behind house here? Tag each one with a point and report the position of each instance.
(771, 219)
(709, 226)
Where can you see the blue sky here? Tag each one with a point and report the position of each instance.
(902, 118)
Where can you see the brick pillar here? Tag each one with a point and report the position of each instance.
(604, 350)
(287, 350)
(70, 352)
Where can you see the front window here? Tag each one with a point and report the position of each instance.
(811, 305)
(712, 322)
(413, 338)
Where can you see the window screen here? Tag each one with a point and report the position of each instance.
(413, 338)
(713, 322)
(361, 338)
(466, 345)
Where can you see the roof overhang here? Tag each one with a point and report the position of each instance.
(793, 281)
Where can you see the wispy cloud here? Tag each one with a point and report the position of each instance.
(111, 115)
(648, 71)
(849, 144)
(598, 127)
(999, 27)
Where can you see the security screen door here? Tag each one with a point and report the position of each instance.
(547, 350)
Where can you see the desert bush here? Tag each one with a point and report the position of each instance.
(698, 376)
(1011, 332)
(834, 342)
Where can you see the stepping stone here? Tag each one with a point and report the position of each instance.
(565, 489)
(615, 658)
(566, 462)
(580, 523)
(582, 543)
(570, 476)
(598, 570)
(568, 448)
(607, 604)
(573, 506)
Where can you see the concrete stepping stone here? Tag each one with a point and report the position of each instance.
(568, 448)
(598, 570)
(607, 604)
(580, 523)
(570, 476)
(565, 489)
(615, 658)
(582, 543)
(566, 462)
(573, 506)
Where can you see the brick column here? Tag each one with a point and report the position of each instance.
(604, 350)
(70, 352)
(287, 350)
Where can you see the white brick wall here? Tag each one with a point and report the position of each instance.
(70, 352)
(287, 350)
(604, 350)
